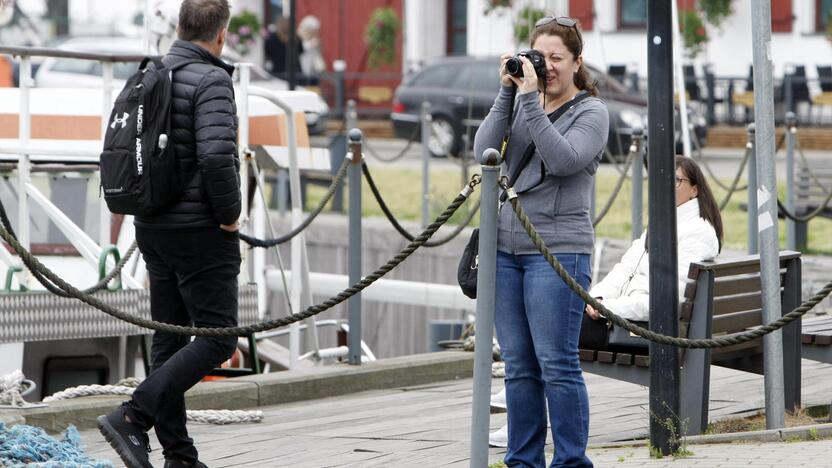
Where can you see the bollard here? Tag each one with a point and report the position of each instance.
(484, 333)
(710, 84)
(354, 304)
(340, 67)
(425, 122)
(753, 247)
(637, 168)
(791, 134)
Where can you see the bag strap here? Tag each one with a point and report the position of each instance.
(527, 156)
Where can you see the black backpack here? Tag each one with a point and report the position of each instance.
(139, 174)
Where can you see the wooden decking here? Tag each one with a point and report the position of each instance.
(429, 425)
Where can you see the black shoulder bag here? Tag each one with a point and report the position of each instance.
(466, 272)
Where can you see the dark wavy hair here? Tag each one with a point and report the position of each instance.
(708, 207)
(572, 39)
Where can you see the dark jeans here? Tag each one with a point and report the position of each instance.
(193, 280)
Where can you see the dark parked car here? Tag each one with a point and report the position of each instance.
(461, 90)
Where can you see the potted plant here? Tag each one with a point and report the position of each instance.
(524, 24)
(242, 31)
(694, 34)
(380, 36)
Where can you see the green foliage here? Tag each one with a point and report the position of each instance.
(499, 464)
(491, 5)
(380, 36)
(242, 31)
(524, 24)
(716, 11)
(694, 34)
(829, 25)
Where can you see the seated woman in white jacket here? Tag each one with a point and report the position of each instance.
(626, 288)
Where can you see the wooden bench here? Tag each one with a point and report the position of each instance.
(810, 191)
(817, 339)
(723, 297)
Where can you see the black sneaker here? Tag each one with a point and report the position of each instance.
(128, 440)
(176, 463)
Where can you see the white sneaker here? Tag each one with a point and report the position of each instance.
(499, 438)
(498, 401)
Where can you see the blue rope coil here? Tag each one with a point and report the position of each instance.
(30, 446)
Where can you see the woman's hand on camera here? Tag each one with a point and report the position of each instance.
(505, 78)
(528, 82)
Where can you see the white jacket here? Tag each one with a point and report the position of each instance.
(626, 288)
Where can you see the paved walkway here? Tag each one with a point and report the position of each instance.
(759, 455)
(429, 426)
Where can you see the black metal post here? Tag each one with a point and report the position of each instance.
(292, 46)
(710, 83)
(665, 426)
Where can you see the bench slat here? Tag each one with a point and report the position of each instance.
(737, 266)
(738, 321)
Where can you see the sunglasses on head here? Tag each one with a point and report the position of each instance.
(564, 21)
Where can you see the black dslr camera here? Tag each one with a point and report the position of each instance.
(514, 66)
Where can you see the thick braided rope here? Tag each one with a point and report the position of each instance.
(367, 146)
(219, 417)
(808, 168)
(618, 185)
(33, 264)
(722, 341)
(390, 217)
(265, 243)
(11, 389)
(808, 216)
(101, 284)
(736, 181)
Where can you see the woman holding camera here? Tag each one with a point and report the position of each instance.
(538, 317)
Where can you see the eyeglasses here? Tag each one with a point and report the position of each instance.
(564, 21)
(679, 181)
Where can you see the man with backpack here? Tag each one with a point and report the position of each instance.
(191, 246)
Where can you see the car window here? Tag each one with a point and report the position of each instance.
(479, 76)
(436, 76)
(80, 67)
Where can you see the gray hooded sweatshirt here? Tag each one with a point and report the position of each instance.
(556, 185)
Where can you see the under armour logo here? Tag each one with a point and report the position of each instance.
(122, 121)
(134, 440)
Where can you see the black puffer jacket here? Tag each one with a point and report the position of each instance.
(204, 134)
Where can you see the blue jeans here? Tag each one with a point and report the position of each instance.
(538, 320)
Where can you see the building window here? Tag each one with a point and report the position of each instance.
(823, 10)
(632, 14)
(457, 27)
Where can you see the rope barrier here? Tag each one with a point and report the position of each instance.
(620, 183)
(808, 168)
(100, 285)
(390, 217)
(265, 243)
(727, 340)
(410, 140)
(807, 217)
(126, 387)
(736, 181)
(34, 264)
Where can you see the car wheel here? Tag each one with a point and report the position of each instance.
(443, 139)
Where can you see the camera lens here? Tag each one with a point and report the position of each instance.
(514, 67)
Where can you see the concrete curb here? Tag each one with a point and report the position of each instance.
(267, 389)
(790, 434)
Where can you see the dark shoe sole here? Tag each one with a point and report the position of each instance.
(119, 444)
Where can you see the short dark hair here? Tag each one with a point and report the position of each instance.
(202, 20)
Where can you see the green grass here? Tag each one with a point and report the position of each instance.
(401, 189)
